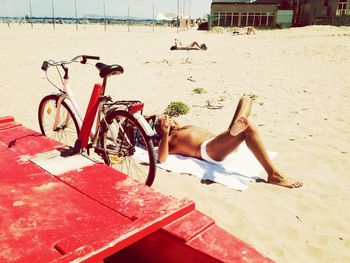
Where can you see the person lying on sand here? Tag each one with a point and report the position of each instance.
(197, 142)
(250, 30)
(193, 46)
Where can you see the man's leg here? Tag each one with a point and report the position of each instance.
(254, 143)
(224, 144)
(193, 44)
(229, 140)
(244, 108)
(177, 43)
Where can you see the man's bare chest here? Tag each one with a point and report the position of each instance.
(190, 136)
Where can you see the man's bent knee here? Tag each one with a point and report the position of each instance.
(251, 129)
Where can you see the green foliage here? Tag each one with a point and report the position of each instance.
(252, 96)
(199, 90)
(177, 108)
(222, 98)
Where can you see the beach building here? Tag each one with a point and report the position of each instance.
(342, 17)
(314, 12)
(240, 13)
(273, 13)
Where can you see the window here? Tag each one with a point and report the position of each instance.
(342, 8)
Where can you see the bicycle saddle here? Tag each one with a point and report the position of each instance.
(108, 70)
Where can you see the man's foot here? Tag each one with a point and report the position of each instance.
(239, 126)
(278, 179)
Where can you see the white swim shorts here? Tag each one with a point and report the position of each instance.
(206, 157)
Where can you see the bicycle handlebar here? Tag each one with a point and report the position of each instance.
(45, 65)
(84, 58)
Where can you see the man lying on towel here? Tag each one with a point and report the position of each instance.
(192, 46)
(197, 142)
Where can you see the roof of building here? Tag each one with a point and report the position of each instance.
(225, 2)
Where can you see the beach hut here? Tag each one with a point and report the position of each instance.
(314, 12)
(241, 13)
(342, 17)
(274, 13)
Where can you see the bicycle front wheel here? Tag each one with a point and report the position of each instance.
(126, 146)
(67, 128)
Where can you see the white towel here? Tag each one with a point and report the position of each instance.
(242, 167)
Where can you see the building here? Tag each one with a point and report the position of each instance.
(313, 12)
(273, 13)
(237, 13)
(342, 17)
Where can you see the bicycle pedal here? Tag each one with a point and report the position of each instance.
(115, 159)
(88, 147)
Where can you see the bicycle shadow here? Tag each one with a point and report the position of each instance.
(13, 142)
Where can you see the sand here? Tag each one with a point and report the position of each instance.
(302, 82)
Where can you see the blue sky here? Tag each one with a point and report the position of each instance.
(138, 8)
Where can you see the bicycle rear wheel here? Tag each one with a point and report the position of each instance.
(67, 129)
(126, 146)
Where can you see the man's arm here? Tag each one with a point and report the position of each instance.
(163, 148)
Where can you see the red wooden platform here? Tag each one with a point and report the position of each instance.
(96, 214)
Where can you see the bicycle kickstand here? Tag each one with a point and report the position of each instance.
(72, 150)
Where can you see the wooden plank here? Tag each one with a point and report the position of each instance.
(88, 214)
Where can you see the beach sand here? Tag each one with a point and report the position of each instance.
(302, 82)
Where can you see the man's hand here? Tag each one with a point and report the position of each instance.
(165, 124)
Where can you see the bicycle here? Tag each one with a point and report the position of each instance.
(121, 131)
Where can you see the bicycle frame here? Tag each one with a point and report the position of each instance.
(120, 133)
(84, 123)
(93, 111)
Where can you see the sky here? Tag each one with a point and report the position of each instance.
(137, 8)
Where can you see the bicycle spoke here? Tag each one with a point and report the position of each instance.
(120, 140)
(66, 129)
(136, 170)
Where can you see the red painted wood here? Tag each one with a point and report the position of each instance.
(24, 141)
(98, 213)
(6, 119)
(7, 123)
(160, 247)
(225, 247)
(118, 191)
(38, 210)
(45, 213)
(189, 226)
(69, 244)
(170, 244)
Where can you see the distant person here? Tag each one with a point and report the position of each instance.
(249, 30)
(193, 46)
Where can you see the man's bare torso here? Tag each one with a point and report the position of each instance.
(186, 140)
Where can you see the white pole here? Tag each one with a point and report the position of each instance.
(183, 12)
(104, 13)
(30, 12)
(183, 8)
(153, 18)
(128, 19)
(177, 18)
(76, 15)
(53, 14)
(189, 12)
(7, 13)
